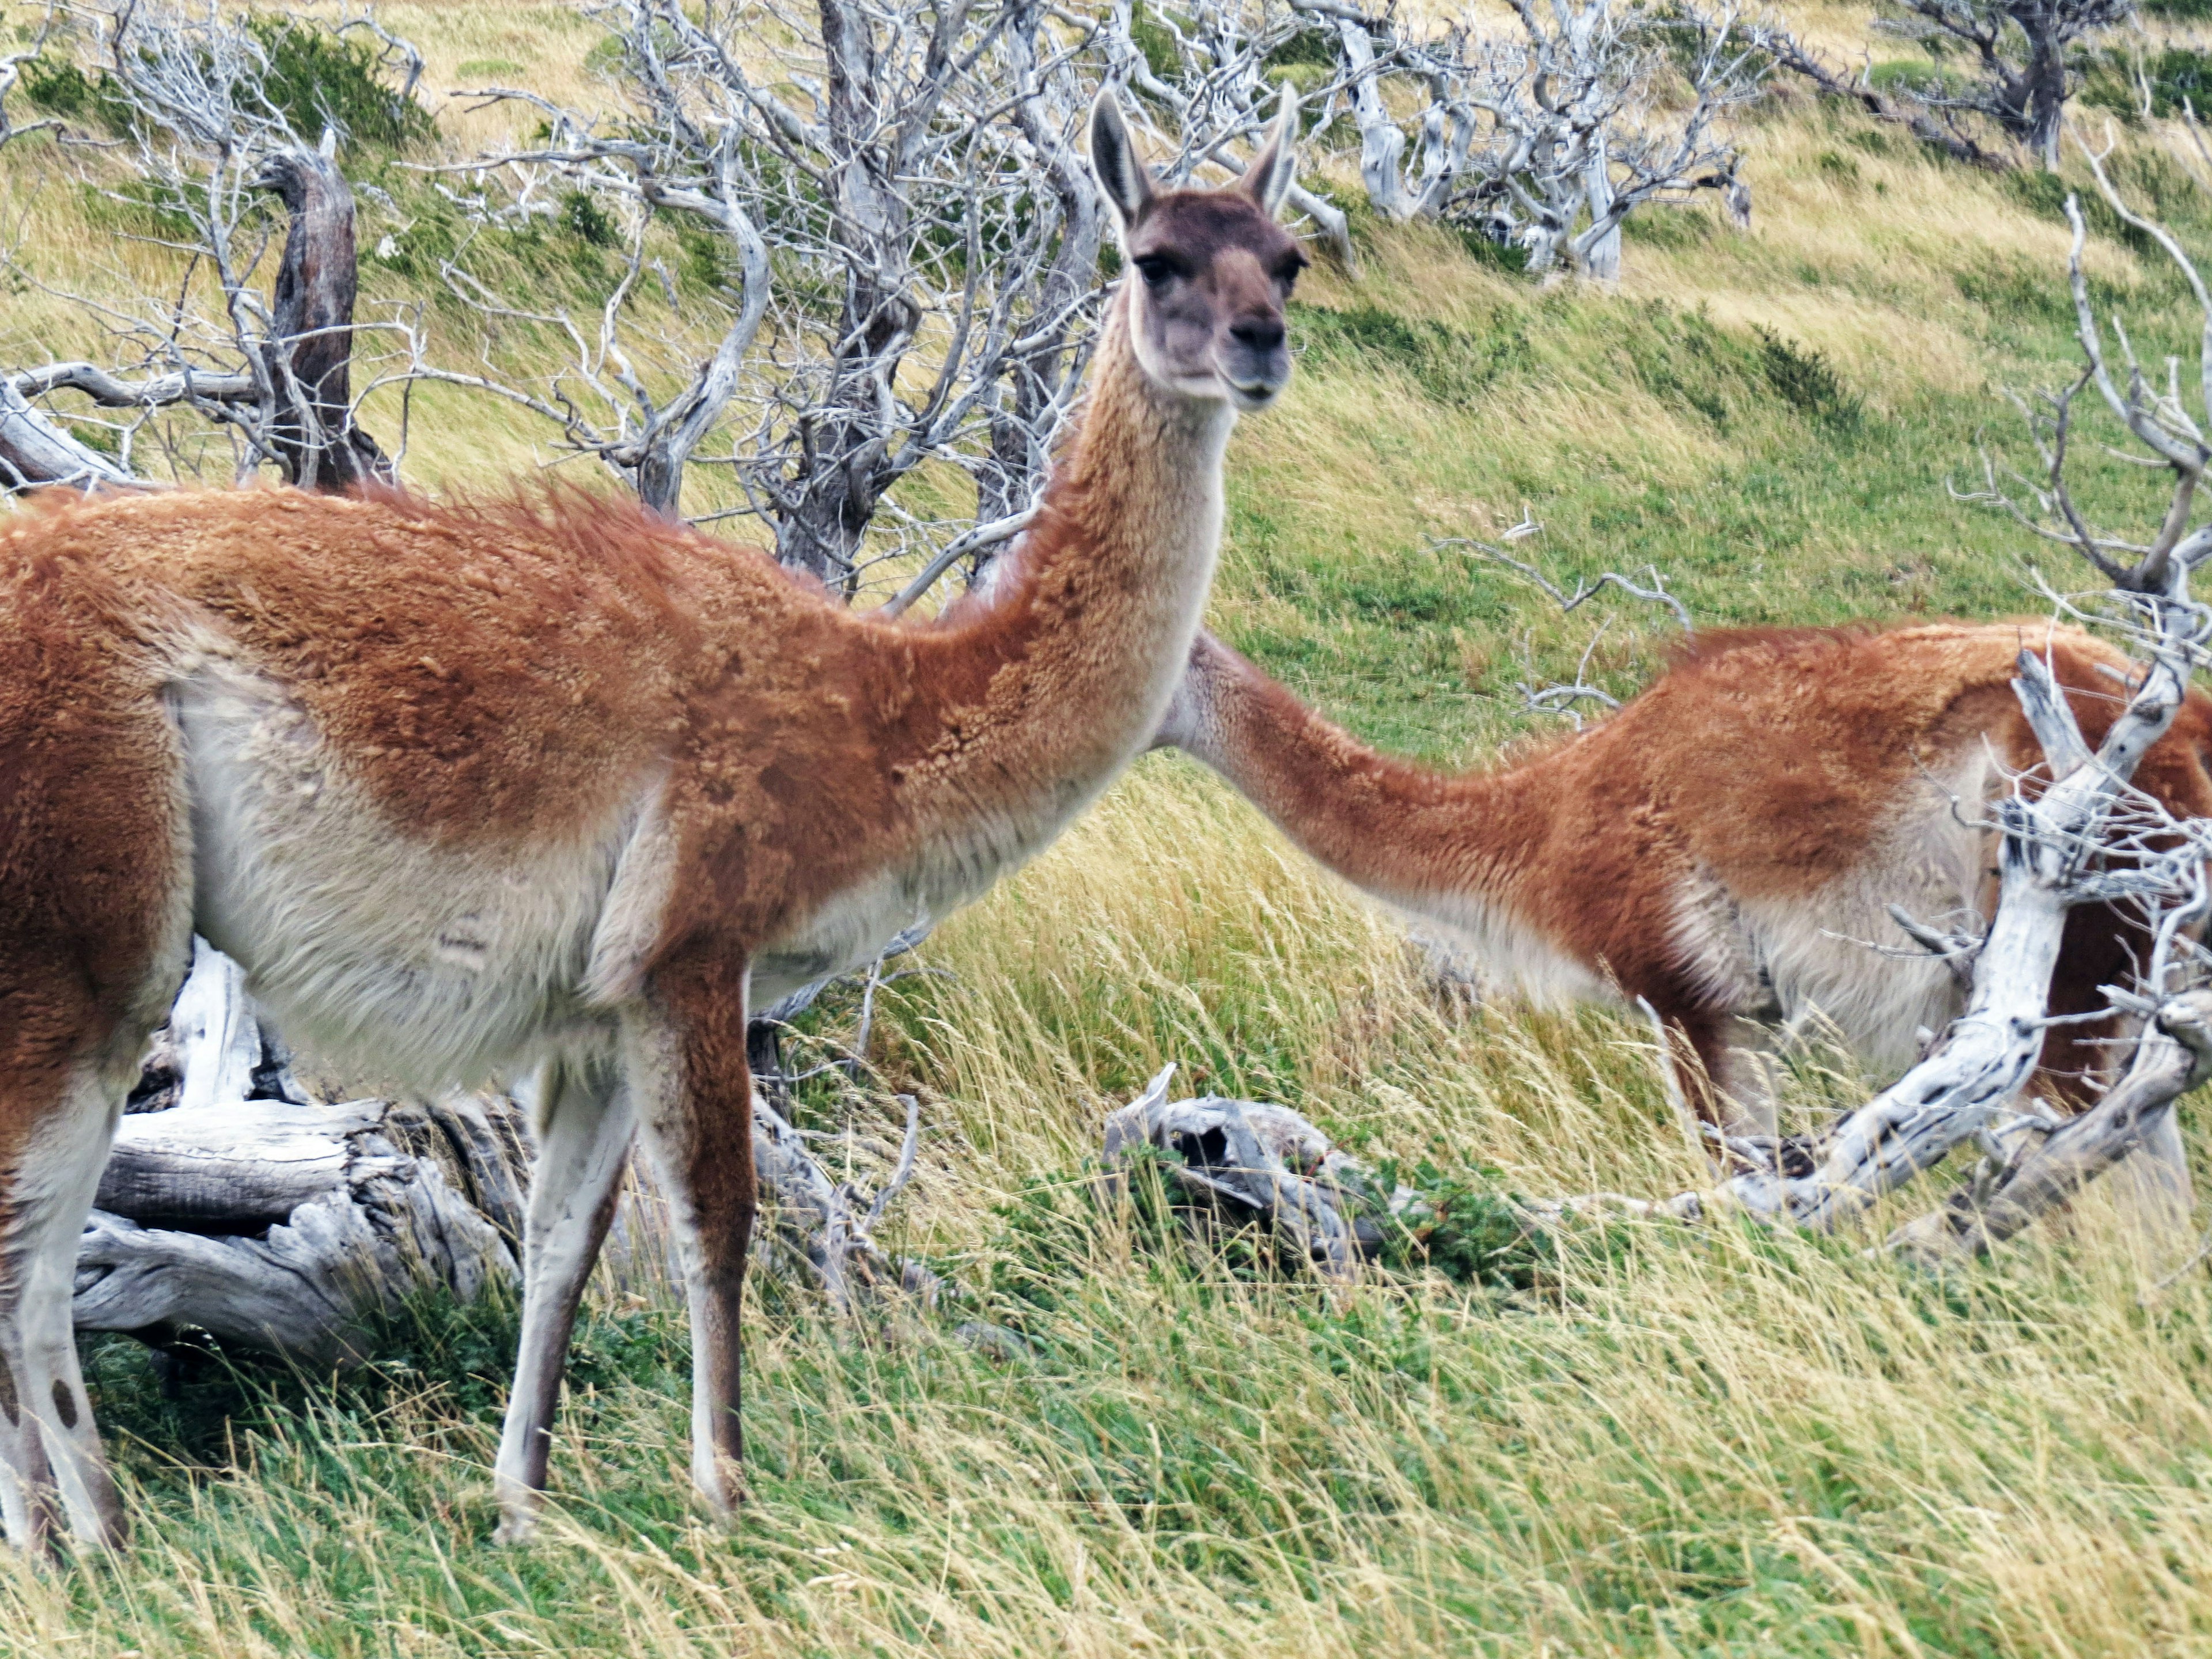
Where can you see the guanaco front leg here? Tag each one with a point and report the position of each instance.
(694, 1109)
(49, 1445)
(585, 1124)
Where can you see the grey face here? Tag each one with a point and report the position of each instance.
(1214, 274)
(1211, 270)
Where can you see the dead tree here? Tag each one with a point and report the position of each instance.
(1554, 697)
(204, 139)
(1218, 93)
(912, 173)
(1547, 137)
(2023, 62)
(2025, 55)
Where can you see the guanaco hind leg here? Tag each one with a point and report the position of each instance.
(585, 1126)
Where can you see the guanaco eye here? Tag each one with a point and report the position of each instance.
(1154, 270)
(1287, 273)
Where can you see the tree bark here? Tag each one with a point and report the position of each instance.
(310, 356)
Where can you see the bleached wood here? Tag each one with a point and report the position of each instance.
(2173, 1058)
(1265, 1160)
(305, 1222)
(214, 1029)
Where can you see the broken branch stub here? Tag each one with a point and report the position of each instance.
(310, 350)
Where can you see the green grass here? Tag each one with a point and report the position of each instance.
(1642, 1440)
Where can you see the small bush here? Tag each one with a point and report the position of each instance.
(1489, 250)
(319, 79)
(60, 88)
(2018, 290)
(1917, 76)
(1670, 227)
(1469, 1232)
(586, 219)
(1804, 380)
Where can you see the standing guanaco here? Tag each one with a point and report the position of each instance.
(1725, 844)
(461, 787)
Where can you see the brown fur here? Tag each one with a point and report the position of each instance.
(505, 687)
(1773, 763)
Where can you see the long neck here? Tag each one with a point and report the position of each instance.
(1440, 844)
(1058, 678)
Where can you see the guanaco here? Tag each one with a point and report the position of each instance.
(1727, 846)
(464, 787)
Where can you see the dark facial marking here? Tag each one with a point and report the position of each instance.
(1192, 227)
(65, 1404)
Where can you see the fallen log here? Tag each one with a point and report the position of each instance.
(234, 1205)
(288, 1228)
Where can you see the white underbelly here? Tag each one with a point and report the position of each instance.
(373, 950)
(1836, 956)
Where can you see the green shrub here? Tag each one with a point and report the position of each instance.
(1917, 76)
(1488, 250)
(589, 221)
(1466, 1230)
(321, 79)
(60, 88)
(1804, 380)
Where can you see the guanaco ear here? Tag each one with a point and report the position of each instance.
(1267, 180)
(1122, 172)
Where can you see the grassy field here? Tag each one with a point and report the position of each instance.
(1629, 1440)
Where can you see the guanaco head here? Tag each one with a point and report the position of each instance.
(1212, 268)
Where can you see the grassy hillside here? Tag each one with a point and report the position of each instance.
(1632, 1440)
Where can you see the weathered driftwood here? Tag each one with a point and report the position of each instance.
(286, 1227)
(231, 1204)
(1258, 1162)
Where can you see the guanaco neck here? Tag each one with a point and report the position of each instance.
(1047, 686)
(1443, 845)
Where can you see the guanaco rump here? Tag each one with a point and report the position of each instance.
(1726, 845)
(464, 787)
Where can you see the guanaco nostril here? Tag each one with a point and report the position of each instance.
(1258, 333)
